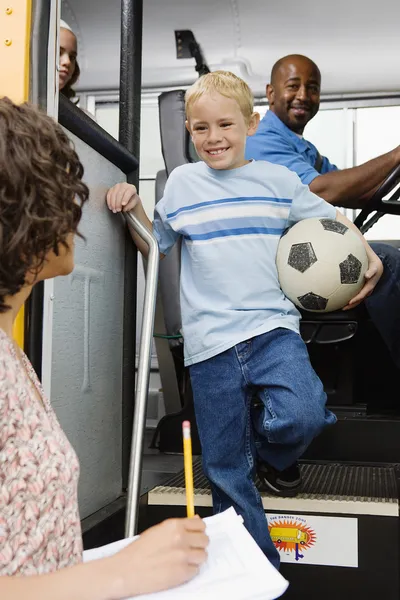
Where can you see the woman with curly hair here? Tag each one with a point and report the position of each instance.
(69, 70)
(41, 200)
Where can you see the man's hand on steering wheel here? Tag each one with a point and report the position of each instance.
(376, 203)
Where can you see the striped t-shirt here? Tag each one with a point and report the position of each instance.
(230, 222)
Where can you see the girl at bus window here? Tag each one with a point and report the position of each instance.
(69, 71)
(41, 200)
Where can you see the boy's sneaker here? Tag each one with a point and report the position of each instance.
(285, 483)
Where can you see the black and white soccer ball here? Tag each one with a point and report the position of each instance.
(321, 264)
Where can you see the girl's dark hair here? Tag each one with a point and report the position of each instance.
(67, 89)
(41, 192)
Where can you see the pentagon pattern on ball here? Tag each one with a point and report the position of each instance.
(302, 256)
(312, 301)
(350, 269)
(335, 226)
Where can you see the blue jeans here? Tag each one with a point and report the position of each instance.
(384, 304)
(275, 368)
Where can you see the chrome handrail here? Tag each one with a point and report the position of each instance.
(143, 374)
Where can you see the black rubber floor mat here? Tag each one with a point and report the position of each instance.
(333, 480)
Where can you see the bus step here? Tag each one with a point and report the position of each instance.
(328, 488)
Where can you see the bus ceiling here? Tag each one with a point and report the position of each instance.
(355, 46)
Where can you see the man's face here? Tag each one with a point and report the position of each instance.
(294, 94)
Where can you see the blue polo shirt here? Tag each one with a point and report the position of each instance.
(278, 144)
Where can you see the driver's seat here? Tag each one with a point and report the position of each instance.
(331, 337)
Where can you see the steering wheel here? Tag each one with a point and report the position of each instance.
(378, 205)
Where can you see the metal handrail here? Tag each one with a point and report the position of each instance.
(143, 374)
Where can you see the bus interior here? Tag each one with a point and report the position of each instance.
(106, 341)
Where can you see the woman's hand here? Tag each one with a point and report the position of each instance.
(164, 556)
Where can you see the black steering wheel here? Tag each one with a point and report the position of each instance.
(377, 205)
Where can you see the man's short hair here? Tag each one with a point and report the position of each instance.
(224, 83)
(279, 63)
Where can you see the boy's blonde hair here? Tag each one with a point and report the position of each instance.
(224, 83)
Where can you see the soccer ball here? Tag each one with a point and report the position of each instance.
(321, 264)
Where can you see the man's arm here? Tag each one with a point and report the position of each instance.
(352, 187)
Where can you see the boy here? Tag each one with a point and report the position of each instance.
(241, 333)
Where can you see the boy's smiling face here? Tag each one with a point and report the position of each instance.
(219, 130)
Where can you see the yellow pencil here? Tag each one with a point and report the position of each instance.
(188, 463)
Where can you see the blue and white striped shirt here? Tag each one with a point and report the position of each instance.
(230, 222)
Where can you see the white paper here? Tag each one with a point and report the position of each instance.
(107, 550)
(236, 568)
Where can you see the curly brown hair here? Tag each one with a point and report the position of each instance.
(41, 192)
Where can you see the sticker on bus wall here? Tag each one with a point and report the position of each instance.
(315, 540)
